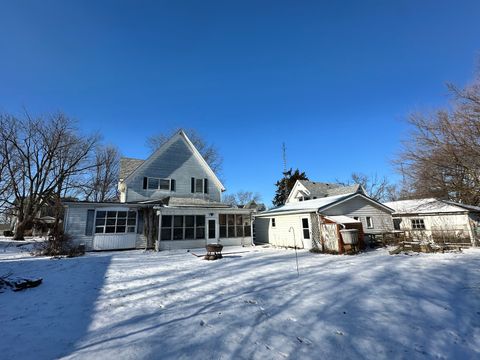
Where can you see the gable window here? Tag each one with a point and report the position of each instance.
(199, 186)
(306, 230)
(418, 224)
(369, 222)
(273, 223)
(115, 222)
(159, 184)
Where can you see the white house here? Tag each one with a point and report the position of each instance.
(171, 200)
(437, 220)
(318, 222)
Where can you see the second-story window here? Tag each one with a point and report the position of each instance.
(152, 183)
(199, 186)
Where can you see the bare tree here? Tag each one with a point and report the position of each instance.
(208, 151)
(42, 156)
(378, 188)
(241, 198)
(441, 156)
(102, 179)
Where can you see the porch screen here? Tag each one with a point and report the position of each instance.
(182, 227)
(234, 225)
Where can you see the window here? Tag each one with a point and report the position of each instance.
(115, 222)
(306, 230)
(183, 227)
(369, 222)
(159, 184)
(234, 225)
(396, 224)
(199, 186)
(418, 224)
(273, 223)
(356, 218)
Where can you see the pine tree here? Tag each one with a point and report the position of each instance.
(285, 185)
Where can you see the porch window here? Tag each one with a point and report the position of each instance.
(234, 225)
(115, 222)
(418, 224)
(182, 227)
(306, 230)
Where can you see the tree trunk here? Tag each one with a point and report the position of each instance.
(20, 227)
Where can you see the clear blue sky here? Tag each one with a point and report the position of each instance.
(332, 79)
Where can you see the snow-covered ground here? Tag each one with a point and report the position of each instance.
(249, 305)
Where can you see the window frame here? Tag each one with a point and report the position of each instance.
(129, 222)
(418, 224)
(307, 229)
(172, 232)
(234, 225)
(274, 223)
(369, 222)
(159, 185)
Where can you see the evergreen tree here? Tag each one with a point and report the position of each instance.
(285, 185)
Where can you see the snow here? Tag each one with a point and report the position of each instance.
(342, 219)
(429, 205)
(309, 205)
(249, 305)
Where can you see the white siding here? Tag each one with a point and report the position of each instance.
(114, 241)
(75, 222)
(361, 208)
(288, 231)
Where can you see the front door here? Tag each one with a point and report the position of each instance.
(211, 229)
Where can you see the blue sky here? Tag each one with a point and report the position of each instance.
(334, 80)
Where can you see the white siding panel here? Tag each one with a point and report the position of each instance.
(114, 241)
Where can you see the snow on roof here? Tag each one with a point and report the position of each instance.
(342, 219)
(429, 205)
(307, 205)
(321, 189)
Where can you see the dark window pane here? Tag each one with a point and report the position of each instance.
(111, 221)
(99, 229)
(166, 234)
(165, 184)
(238, 219)
(122, 214)
(246, 220)
(110, 229)
(248, 230)
(178, 221)
(231, 219)
(231, 231)
(178, 233)
(222, 219)
(101, 214)
(189, 233)
(306, 234)
(131, 222)
(200, 233)
(120, 229)
(190, 221)
(305, 223)
(152, 183)
(121, 221)
(239, 231)
(131, 229)
(132, 215)
(100, 222)
(211, 229)
(111, 214)
(200, 220)
(223, 231)
(199, 185)
(166, 220)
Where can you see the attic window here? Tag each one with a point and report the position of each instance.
(160, 184)
(199, 185)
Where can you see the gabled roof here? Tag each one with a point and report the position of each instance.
(429, 206)
(178, 135)
(321, 189)
(319, 204)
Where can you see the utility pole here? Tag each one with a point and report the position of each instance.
(285, 172)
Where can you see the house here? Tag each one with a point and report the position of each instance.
(310, 190)
(437, 220)
(319, 223)
(172, 200)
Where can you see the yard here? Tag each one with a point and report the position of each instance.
(249, 305)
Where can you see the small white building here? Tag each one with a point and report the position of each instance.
(437, 220)
(318, 223)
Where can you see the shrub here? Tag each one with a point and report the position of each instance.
(61, 245)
